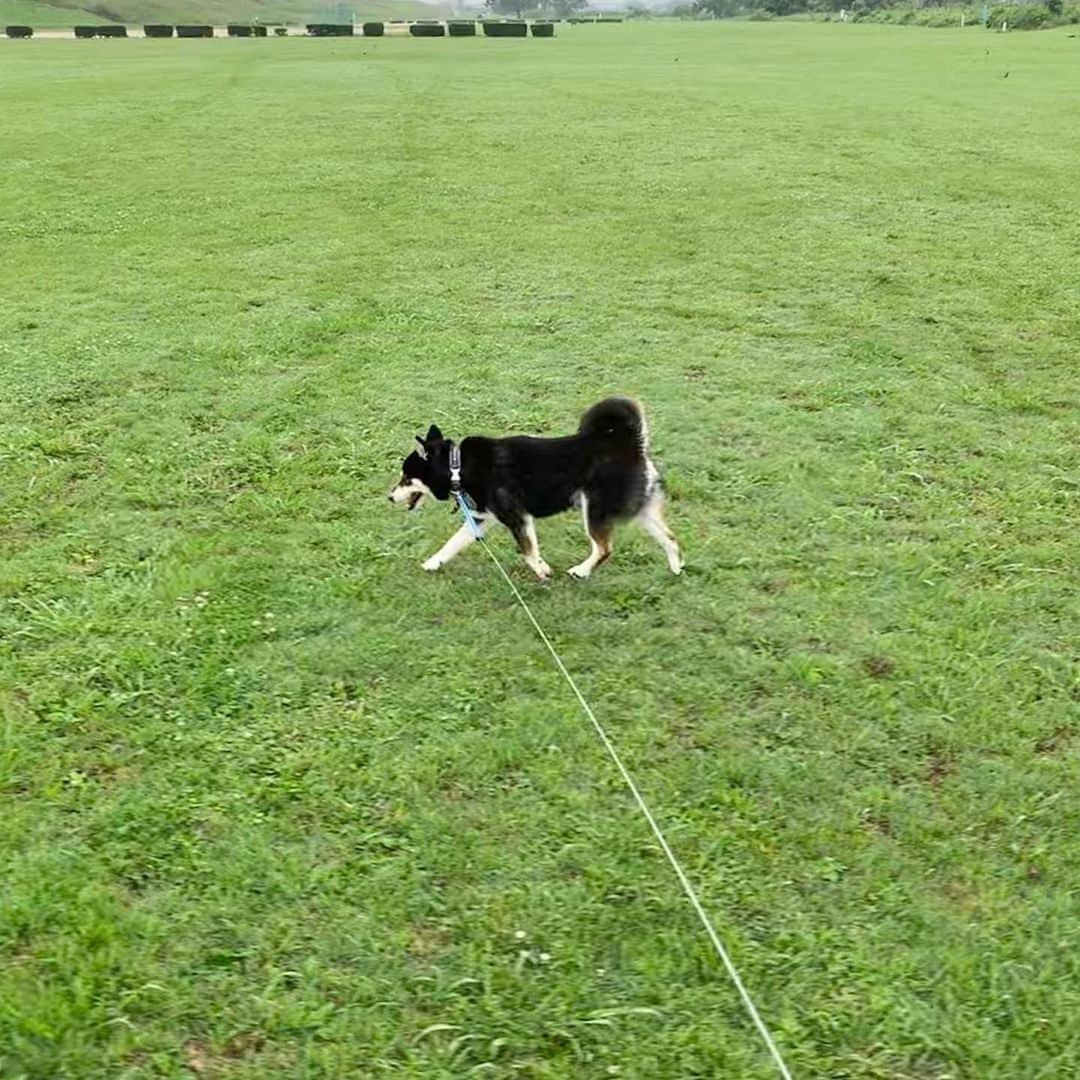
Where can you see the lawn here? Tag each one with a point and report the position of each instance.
(41, 16)
(276, 804)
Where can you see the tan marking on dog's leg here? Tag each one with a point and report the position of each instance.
(529, 547)
(455, 545)
(651, 519)
(601, 546)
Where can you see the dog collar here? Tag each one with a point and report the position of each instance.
(459, 499)
(455, 469)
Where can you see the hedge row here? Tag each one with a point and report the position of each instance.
(506, 29)
(423, 28)
(100, 31)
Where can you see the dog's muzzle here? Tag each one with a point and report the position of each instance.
(410, 494)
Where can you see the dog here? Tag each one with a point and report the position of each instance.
(604, 469)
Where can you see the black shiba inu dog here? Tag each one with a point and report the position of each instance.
(604, 469)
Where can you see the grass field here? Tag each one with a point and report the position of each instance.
(277, 804)
(43, 16)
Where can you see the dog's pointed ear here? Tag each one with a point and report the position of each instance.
(433, 434)
(421, 448)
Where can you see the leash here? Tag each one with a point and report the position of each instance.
(463, 502)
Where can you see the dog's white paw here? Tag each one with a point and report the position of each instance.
(581, 571)
(677, 568)
(541, 569)
(432, 564)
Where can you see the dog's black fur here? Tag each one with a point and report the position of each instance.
(603, 468)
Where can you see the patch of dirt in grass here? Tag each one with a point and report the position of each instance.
(426, 940)
(937, 769)
(243, 1044)
(197, 1057)
(1057, 741)
(878, 823)
(774, 585)
(878, 667)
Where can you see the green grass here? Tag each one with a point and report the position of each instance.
(44, 16)
(276, 804)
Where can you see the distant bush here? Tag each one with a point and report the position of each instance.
(19, 31)
(925, 16)
(373, 29)
(938, 17)
(1018, 16)
(1025, 17)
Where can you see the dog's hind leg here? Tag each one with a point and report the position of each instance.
(455, 545)
(599, 534)
(651, 519)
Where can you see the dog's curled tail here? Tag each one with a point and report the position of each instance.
(616, 418)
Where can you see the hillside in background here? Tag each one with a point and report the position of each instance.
(135, 12)
(33, 13)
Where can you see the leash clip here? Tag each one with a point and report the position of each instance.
(455, 469)
(464, 503)
(455, 478)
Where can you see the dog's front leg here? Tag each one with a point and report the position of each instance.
(456, 544)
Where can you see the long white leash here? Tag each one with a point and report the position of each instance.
(747, 1001)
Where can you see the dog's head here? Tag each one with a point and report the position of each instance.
(426, 471)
